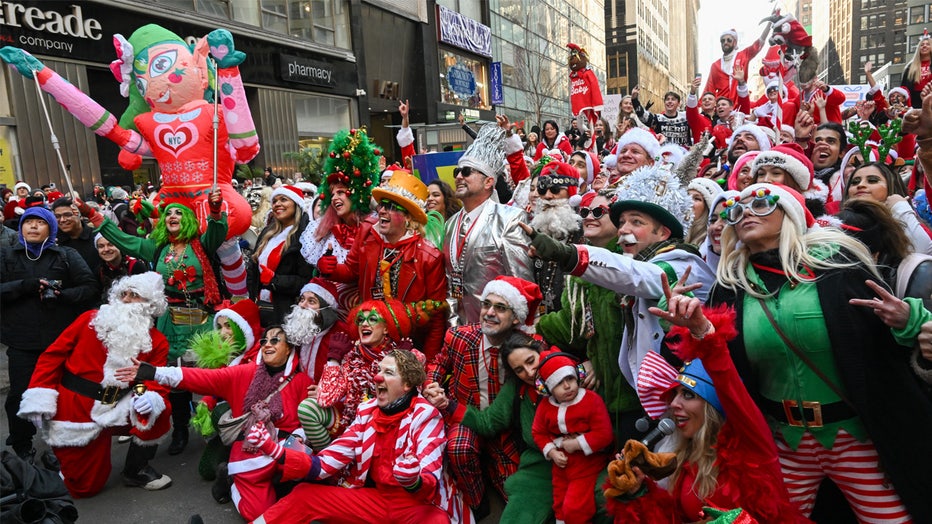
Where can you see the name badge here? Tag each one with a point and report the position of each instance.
(456, 285)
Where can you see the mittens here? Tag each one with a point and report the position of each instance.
(407, 471)
(332, 386)
(260, 438)
(222, 50)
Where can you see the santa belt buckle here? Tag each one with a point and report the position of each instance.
(187, 316)
(791, 408)
(110, 395)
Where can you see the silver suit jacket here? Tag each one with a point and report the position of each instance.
(496, 246)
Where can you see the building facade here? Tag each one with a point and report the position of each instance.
(651, 44)
(850, 33)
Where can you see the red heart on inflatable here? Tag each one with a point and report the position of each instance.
(176, 138)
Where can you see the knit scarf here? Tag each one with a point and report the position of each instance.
(265, 381)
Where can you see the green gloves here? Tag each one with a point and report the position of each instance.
(550, 249)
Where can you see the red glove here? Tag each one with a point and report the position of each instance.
(95, 218)
(339, 345)
(265, 274)
(327, 264)
(407, 471)
(215, 202)
(260, 438)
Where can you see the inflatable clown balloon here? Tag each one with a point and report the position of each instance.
(169, 118)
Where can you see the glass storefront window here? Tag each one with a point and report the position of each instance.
(321, 116)
(463, 80)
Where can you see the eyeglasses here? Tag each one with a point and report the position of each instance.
(596, 212)
(372, 318)
(389, 205)
(274, 341)
(497, 306)
(554, 184)
(761, 205)
(64, 216)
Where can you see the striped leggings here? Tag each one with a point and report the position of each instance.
(317, 422)
(852, 465)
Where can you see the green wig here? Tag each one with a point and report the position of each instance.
(189, 226)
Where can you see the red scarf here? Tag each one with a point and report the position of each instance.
(211, 291)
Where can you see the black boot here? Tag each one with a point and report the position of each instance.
(181, 417)
(138, 473)
(221, 488)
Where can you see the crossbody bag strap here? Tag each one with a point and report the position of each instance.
(802, 356)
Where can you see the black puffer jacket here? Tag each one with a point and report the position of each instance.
(28, 322)
(292, 273)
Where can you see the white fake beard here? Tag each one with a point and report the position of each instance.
(301, 325)
(556, 218)
(124, 328)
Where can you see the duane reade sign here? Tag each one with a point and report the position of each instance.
(74, 24)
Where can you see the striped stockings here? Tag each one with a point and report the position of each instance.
(317, 422)
(232, 267)
(852, 465)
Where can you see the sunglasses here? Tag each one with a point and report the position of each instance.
(761, 205)
(372, 318)
(389, 205)
(497, 306)
(596, 212)
(274, 341)
(463, 172)
(554, 184)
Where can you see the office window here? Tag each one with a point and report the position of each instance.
(917, 14)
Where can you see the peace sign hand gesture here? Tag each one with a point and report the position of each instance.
(891, 310)
(683, 310)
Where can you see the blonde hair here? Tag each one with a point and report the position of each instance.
(275, 228)
(913, 71)
(826, 248)
(700, 451)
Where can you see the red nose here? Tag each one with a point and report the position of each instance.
(378, 379)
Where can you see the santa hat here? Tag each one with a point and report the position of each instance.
(776, 84)
(671, 153)
(305, 187)
(559, 174)
(554, 367)
(786, 128)
(610, 161)
(293, 193)
(739, 164)
(706, 187)
(900, 91)
(21, 184)
(789, 31)
(148, 285)
(245, 314)
(325, 290)
(790, 158)
(729, 32)
(763, 141)
(524, 298)
(592, 164)
(790, 201)
(576, 47)
(640, 137)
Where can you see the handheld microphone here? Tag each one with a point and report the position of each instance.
(664, 428)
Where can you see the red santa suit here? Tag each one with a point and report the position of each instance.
(720, 81)
(253, 490)
(574, 485)
(365, 455)
(80, 427)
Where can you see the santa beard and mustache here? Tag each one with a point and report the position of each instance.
(556, 218)
(123, 328)
(302, 325)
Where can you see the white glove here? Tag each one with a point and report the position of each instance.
(37, 419)
(142, 405)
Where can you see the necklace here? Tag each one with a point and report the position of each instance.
(180, 273)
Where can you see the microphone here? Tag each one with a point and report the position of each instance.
(664, 428)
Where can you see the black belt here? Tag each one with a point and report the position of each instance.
(814, 414)
(82, 386)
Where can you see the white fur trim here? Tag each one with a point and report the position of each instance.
(112, 414)
(817, 191)
(168, 376)
(43, 401)
(321, 292)
(240, 322)
(513, 145)
(642, 138)
(584, 445)
(158, 407)
(730, 32)
(708, 188)
(901, 91)
(762, 140)
(21, 184)
(558, 375)
(788, 163)
(547, 449)
(63, 433)
(511, 294)
(286, 191)
(405, 137)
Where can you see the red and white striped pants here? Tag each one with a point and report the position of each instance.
(852, 465)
